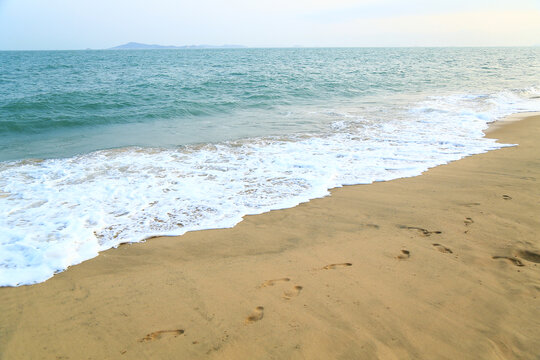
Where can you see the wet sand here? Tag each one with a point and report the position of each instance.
(445, 265)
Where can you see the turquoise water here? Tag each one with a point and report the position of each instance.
(62, 103)
(103, 147)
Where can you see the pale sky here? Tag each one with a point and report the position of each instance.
(79, 24)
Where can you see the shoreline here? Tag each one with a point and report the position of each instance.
(441, 265)
(498, 124)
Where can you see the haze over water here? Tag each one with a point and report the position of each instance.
(104, 147)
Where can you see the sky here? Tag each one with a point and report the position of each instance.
(98, 24)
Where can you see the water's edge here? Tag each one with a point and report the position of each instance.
(493, 125)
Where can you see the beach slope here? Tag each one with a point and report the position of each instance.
(445, 265)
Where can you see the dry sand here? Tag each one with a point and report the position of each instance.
(440, 266)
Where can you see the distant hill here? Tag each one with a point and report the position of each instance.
(139, 46)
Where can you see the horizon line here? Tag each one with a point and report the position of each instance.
(240, 47)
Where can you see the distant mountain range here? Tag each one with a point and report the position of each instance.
(139, 46)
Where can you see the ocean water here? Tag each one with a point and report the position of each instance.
(99, 148)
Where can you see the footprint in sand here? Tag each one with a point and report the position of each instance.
(507, 197)
(529, 256)
(405, 254)
(423, 231)
(288, 295)
(335, 266)
(468, 221)
(272, 282)
(256, 315)
(512, 260)
(442, 248)
(159, 334)
(470, 204)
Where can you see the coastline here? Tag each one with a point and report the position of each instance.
(363, 273)
(509, 119)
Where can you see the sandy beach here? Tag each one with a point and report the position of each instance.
(440, 266)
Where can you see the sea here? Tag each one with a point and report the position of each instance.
(100, 148)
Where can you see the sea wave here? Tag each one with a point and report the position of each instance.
(59, 212)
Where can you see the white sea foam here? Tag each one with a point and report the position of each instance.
(60, 212)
